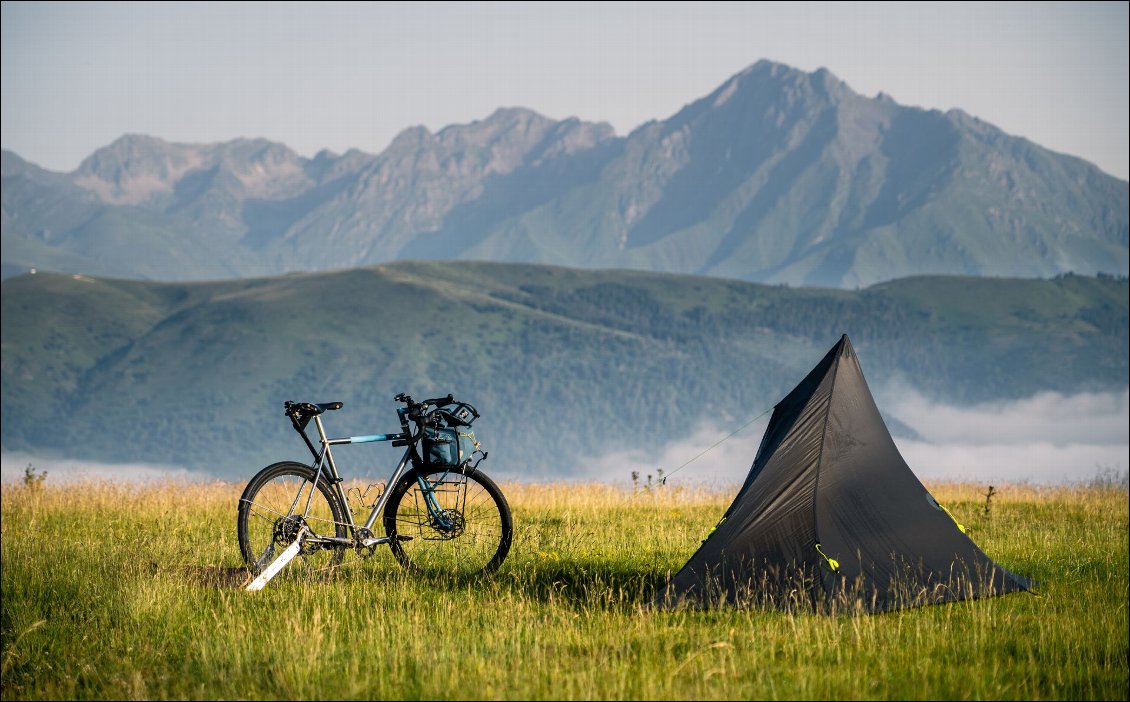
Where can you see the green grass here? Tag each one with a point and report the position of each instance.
(116, 592)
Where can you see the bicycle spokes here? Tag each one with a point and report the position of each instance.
(449, 523)
(279, 505)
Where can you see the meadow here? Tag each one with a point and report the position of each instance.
(114, 591)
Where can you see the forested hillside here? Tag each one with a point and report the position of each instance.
(565, 364)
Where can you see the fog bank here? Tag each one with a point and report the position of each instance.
(1046, 439)
(14, 466)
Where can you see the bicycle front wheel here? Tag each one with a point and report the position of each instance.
(273, 509)
(448, 521)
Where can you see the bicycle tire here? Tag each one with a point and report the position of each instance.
(480, 528)
(269, 518)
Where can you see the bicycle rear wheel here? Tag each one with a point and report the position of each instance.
(468, 531)
(271, 513)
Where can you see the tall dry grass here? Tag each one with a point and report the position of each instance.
(130, 592)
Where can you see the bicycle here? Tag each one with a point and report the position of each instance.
(441, 514)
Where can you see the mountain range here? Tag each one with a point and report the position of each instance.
(777, 176)
(565, 364)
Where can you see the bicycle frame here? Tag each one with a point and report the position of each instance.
(429, 503)
(326, 468)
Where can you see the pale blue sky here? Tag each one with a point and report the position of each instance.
(76, 76)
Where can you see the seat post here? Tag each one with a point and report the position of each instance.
(334, 478)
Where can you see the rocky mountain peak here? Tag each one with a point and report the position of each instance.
(136, 167)
(778, 175)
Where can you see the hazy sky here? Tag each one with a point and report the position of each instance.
(76, 76)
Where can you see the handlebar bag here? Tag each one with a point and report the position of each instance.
(449, 446)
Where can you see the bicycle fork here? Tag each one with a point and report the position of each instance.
(439, 517)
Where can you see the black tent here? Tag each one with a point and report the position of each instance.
(832, 518)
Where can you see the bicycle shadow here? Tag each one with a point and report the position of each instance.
(586, 584)
(581, 584)
(576, 583)
(217, 577)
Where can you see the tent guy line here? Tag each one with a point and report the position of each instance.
(714, 446)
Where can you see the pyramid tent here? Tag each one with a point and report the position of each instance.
(832, 518)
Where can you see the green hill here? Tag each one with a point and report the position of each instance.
(564, 363)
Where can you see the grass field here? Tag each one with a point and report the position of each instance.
(131, 592)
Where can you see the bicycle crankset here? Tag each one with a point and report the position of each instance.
(364, 534)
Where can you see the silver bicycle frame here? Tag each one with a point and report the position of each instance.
(326, 466)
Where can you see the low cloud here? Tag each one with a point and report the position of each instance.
(710, 457)
(1038, 463)
(1051, 418)
(1045, 439)
(1049, 438)
(14, 467)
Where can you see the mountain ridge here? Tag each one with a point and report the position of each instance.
(777, 175)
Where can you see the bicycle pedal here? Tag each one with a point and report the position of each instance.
(401, 537)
